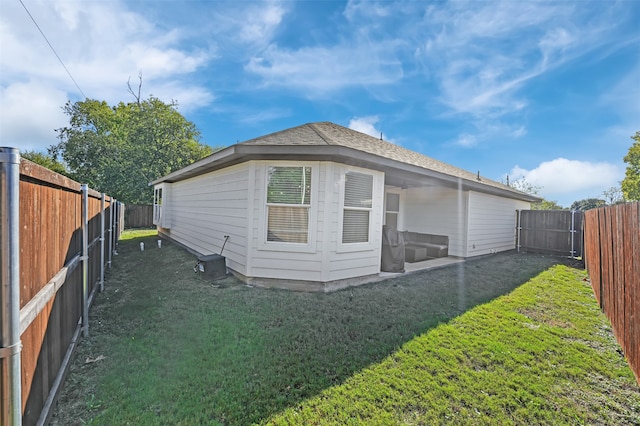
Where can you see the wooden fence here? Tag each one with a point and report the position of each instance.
(138, 216)
(66, 237)
(612, 254)
(550, 231)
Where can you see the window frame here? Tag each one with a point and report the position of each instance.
(397, 193)
(309, 246)
(375, 186)
(157, 204)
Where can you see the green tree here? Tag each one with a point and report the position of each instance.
(45, 160)
(631, 182)
(547, 205)
(523, 185)
(120, 149)
(613, 195)
(588, 204)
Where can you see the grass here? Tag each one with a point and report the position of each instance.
(490, 341)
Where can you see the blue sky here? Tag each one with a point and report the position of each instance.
(545, 90)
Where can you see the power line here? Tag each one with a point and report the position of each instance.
(52, 49)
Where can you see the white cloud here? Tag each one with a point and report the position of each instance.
(253, 117)
(103, 44)
(358, 8)
(466, 140)
(317, 71)
(260, 21)
(244, 27)
(570, 180)
(367, 125)
(488, 130)
(30, 113)
(483, 53)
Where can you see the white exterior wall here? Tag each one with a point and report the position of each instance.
(285, 260)
(200, 211)
(353, 260)
(323, 259)
(492, 223)
(437, 210)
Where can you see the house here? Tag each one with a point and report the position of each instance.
(304, 208)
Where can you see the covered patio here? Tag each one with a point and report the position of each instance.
(424, 265)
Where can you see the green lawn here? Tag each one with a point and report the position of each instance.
(505, 339)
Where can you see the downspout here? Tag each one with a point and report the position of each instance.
(10, 345)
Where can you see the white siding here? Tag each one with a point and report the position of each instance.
(282, 260)
(437, 210)
(344, 262)
(203, 209)
(323, 261)
(492, 223)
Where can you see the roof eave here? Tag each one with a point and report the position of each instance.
(240, 153)
(199, 167)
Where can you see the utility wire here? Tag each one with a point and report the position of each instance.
(52, 49)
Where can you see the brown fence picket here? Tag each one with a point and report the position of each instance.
(50, 243)
(138, 216)
(612, 252)
(551, 231)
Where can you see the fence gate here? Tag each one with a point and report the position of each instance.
(550, 231)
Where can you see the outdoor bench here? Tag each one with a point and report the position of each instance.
(418, 246)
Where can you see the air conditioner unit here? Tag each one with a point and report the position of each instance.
(212, 267)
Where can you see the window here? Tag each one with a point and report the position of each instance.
(288, 203)
(157, 206)
(392, 210)
(358, 202)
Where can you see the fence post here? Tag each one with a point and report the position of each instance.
(110, 228)
(519, 227)
(102, 241)
(85, 259)
(114, 235)
(10, 345)
(573, 232)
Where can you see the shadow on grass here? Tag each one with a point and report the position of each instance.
(185, 350)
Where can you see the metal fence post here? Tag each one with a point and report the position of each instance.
(110, 229)
(572, 231)
(116, 235)
(102, 241)
(115, 226)
(10, 345)
(518, 229)
(85, 259)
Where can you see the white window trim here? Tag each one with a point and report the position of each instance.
(398, 191)
(158, 208)
(310, 245)
(375, 205)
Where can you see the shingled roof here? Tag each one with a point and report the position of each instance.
(326, 140)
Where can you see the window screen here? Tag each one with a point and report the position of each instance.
(358, 201)
(288, 202)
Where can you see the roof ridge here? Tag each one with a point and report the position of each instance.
(270, 134)
(394, 146)
(320, 133)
